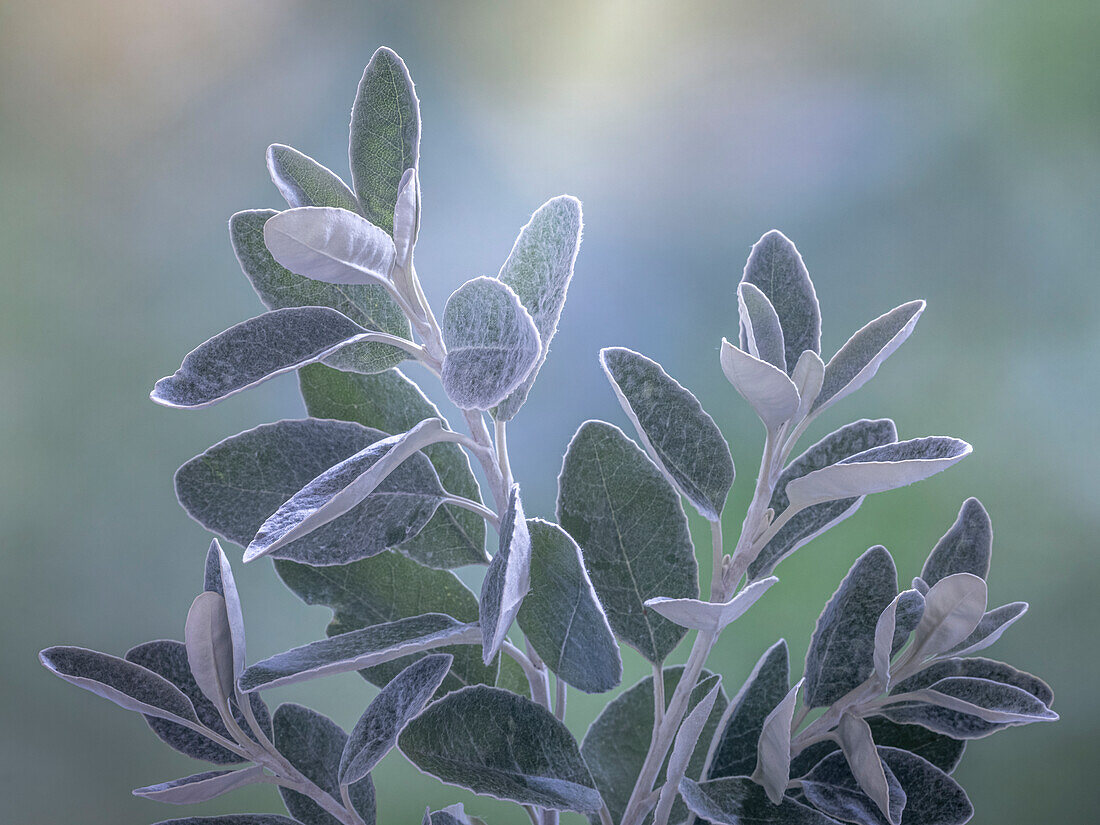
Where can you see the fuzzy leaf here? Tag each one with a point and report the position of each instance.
(953, 607)
(390, 402)
(617, 741)
(375, 734)
(737, 800)
(679, 436)
(497, 744)
(687, 740)
(808, 376)
(891, 634)
(766, 387)
(492, 344)
(507, 579)
(252, 352)
(695, 614)
(833, 789)
(208, 639)
(359, 649)
(775, 267)
(313, 744)
(866, 768)
(202, 786)
(841, 653)
(773, 752)
(931, 796)
(539, 269)
(232, 819)
(330, 245)
(989, 701)
(814, 520)
(219, 579)
(965, 548)
(937, 748)
(368, 305)
(632, 530)
(385, 135)
(991, 627)
(302, 181)
(406, 227)
(396, 486)
(859, 359)
(561, 616)
(878, 469)
(760, 323)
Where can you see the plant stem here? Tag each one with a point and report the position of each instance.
(559, 698)
(474, 507)
(501, 428)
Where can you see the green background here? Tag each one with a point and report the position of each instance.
(944, 150)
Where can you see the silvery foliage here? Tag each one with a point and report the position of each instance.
(369, 504)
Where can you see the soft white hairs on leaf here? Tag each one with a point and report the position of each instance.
(202, 786)
(773, 755)
(302, 181)
(808, 376)
(696, 614)
(683, 748)
(766, 387)
(331, 245)
(209, 642)
(953, 607)
(885, 633)
(859, 749)
(406, 217)
(991, 627)
(507, 579)
(763, 334)
(228, 590)
(988, 700)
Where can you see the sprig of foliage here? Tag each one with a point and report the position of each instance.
(367, 505)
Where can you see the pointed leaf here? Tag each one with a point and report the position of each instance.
(232, 819)
(931, 796)
(406, 226)
(313, 744)
(254, 351)
(539, 269)
(687, 739)
(128, 685)
(368, 305)
(890, 634)
(737, 800)
(209, 643)
(942, 751)
(767, 388)
(863, 760)
(832, 788)
(302, 181)
(965, 548)
(396, 485)
(734, 750)
(695, 614)
(953, 607)
(385, 135)
(202, 786)
(760, 323)
(679, 436)
(989, 701)
(841, 653)
(991, 627)
(492, 344)
(878, 469)
(859, 359)
(811, 522)
(219, 579)
(775, 267)
(561, 616)
(375, 734)
(507, 579)
(330, 245)
(808, 377)
(632, 530)
(390, 402)
(497, 744)
(773, 753)
(358, 649)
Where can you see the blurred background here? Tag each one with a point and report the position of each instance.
(945, 150)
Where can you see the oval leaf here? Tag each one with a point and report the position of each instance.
(695, 614)
(953, 607)
(302, 181)
(219, 579)
(991, 627)
(202, 786)
(832, 789)
(966, 548)
(507, 579)
(931, 796)
(767, 388)
(763, 333)
(209, 643)
(738, 800)
(773, 753)
(330, 245)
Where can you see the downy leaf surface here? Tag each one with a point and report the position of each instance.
(760, 323)
(330, 245)
(766, 387)
(737, 800)
(507, 580)
(991, 627)
(302, 181)
(937, 748)
(966, 548)
(865, 768)
(632, 530)
(953, 608)
(688, 738)
(219, 579)
(892, 630)
(931, 796)
(678, 435)
(696, 614)
(233, 819)
(773, 752)
(201, 786)
(956, 705)
(209, 644)
(833, 789)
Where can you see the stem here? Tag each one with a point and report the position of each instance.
(345, 795)
(658, 698)
(474, 507)
(534, 677)
(486, 455)
(716, 585)
(559, 698)
(502, 452)
(605, 815)
(543, 697)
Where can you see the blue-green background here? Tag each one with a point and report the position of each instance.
(945, 150)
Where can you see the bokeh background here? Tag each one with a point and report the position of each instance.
(946, 150)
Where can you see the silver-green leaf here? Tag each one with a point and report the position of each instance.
(953, 608)
(737, 800)
(773, 753)
(767, 388)
(202, 786)
(713, 617)
(330, 245)
(507, 580)
(763, 333)
(209, 643)
(302, 181)
(966, 548)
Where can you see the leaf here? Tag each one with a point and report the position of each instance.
(219, 579)
(737, 800)
(169, 659)
(232, 819)
(507, 579)
(775, 267)
(734, 749)
(841, 653)
(695, 614)
(991, 627)
(808, 376)
(859, 359)
(202, 786)
(375, 734)
(760, 323)
(767, 388)
(396, 486)
(392, 403)
(330, 245)
(616, 743)
(965, 548)
(302, 181)
(878, 469)
(773, 753)
(368, 305)
(359, 649)
(832, 788)
(687, 738)
(890, 634)
(252, 352)
(909, 612)
(942, 751)
(385, 588)
(209, 644)
(406, 227)
(953, 607)
(814, 520)
(539, 269)
(498, 744)
(989, 701)
(632, 531)
(678, 435)
(128, 685)
(931, 796)
(385, 135)
(492, 344)
(866, 768)
(313, 743)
